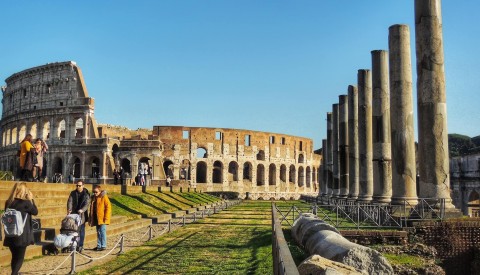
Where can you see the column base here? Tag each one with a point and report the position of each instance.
(382, 199)
(409, 201)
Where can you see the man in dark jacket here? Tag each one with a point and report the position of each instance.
(78, 203)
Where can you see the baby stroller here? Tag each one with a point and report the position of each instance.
(68, 238)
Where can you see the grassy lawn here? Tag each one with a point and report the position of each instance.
(234, 241)
(155, 203)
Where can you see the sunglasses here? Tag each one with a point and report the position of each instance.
(79, 185)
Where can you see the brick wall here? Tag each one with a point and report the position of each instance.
(457, 243)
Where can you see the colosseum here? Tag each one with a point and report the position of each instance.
(52, 102)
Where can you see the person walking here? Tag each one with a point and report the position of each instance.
(78, 203)
(20, 199)
(25, 148)
(100, 214)
(40, 149)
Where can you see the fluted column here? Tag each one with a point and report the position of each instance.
(432, 105)
(329, 157)
(336, 169)
(365, 146)
(353, 180)
(401, 117)
(324, 182)
(343, 144)
(382, 161)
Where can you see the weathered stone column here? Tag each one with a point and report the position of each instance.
(353, 165)
(329, 154)
(336, 169)
(365, 146)
(343, 144)
(404, 170)
(324, 183)
(431, 99)
(382, 161)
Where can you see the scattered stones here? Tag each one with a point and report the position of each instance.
(318, 265)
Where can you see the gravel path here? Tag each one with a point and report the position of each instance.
(133, 239)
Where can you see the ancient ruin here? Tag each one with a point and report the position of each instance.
(52, 102)
(383, 118)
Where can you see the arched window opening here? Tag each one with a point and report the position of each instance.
(46, 130)
(301, 158)
(217, 175)
(23, 132)
(14, 136)
(201, 172)
(261, 155)
(292, 175)
(79, 128)
(283, 173)
(61, 129)
(232, 171)
(272, 174)
(260, 175)
(301, 176)
(185, 170)
(168, 168)
(247, 171)
(126, 166)
(76, 168)
(33, 130)
(309, 175)
(95, 167)
(201, 153)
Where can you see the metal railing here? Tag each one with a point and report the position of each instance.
(349, 213)
(282, 258)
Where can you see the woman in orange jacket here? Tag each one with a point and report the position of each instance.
(100, 213)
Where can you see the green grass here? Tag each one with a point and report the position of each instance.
(234, 241)
(148, 204)
(405, 260)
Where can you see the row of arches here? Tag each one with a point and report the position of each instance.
(202, 153)
(14, 135)
(304, 175)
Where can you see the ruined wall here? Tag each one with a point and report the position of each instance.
(455, 242)
(465, 182)
(222, 159)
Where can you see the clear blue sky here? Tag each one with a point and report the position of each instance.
(272, 66)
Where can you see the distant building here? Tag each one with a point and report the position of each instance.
(52, 102)
(465, 183)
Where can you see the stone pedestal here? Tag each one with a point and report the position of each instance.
(401, 117)
(382, 166)
(433, 156)
(365, 146)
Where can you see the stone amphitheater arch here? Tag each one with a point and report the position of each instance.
(52, 102)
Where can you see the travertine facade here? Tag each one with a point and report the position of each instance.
(52, 102)
(465, 175)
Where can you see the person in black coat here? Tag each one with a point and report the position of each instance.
(78, 203)
(21, 199)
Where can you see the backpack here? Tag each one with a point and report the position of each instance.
(12, 222)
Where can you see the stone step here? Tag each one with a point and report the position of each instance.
(90, 236)
(178, 214)
(160, 218)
